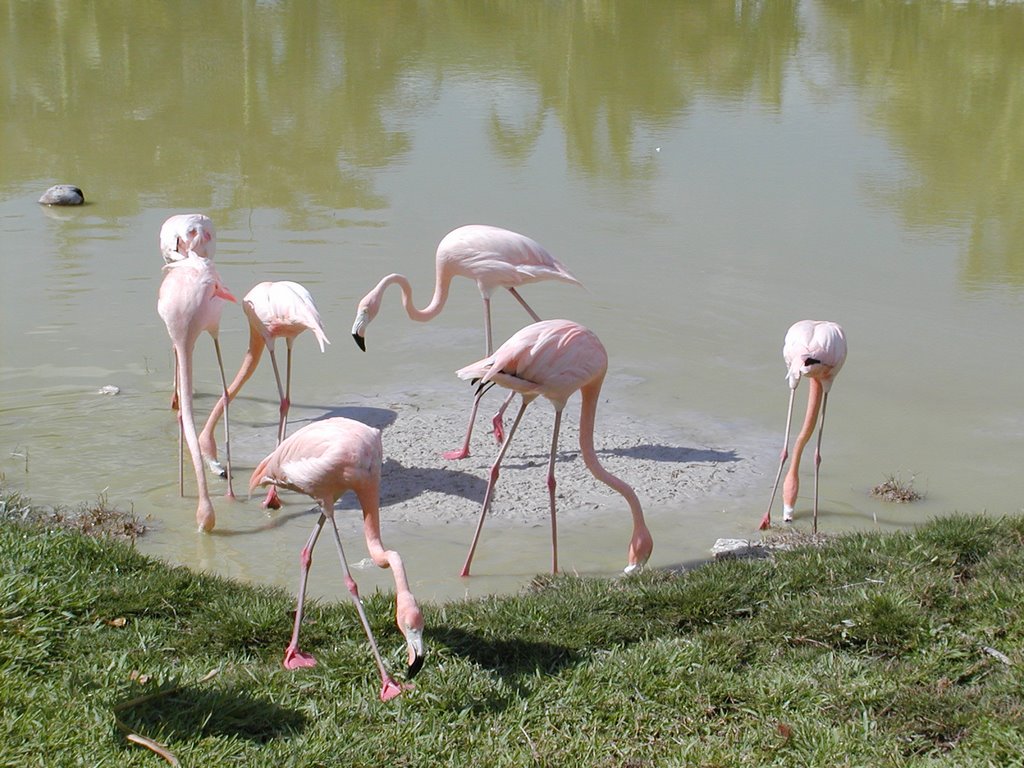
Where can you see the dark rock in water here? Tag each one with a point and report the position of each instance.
(62, 194)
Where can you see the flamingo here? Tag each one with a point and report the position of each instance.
(186, 232)
(494, 258)
(324, 460)
(555, 358)
(190, 301)
(815, 349)
(275, 310)
(179, 235)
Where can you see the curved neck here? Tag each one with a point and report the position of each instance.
(437, 301)
(641, 542)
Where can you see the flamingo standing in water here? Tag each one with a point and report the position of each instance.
(186, 232)
(275, 310)
(179, 235)
(324, 460)
(815, 349)
(493, 258)
(555, 358)
(190, 301)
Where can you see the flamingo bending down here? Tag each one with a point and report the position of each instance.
(186, 232)
(554, 358)
(324, 460)
(493, 258)
(815, 349)
(275, 310)
(190, 301)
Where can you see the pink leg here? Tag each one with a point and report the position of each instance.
(496, 422)
(389, 688)
(551, 491)
(488, 494)
(463, 452)
(293, 657)
(766, 521)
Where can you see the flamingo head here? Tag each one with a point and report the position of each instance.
(410, 622)
(367, 310)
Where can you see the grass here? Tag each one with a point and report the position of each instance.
(881, 650)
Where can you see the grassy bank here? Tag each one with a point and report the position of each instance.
(872, 650)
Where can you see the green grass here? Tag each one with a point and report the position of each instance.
(871, 650)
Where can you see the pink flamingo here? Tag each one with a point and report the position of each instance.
(555, 358)
(190, 301)
(275, 310)
(815, 349)
(179, 235)
(493, 258)
(186, 232)
(324, 460)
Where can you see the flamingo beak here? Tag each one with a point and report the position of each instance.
(359, 328)
(414, 639)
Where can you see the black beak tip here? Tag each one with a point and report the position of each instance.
(414, 668)
(360, 341)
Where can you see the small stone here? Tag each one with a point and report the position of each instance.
(737, 548)
(62, 194)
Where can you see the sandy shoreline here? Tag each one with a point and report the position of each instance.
(666, 467)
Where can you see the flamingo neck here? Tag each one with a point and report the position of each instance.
(429, 312)
(641, 542)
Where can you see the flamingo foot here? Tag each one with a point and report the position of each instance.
(296, 659)
(766, 522)
(460, 453)
(391, 689)
(273, 501)
(499, 429)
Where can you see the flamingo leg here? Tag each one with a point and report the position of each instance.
(766, 521)
(293, 657)
(488, 495)
(488, 339)
(526, 306)
(463, 452)
(181, 431)
(390, 688)
(227, 421)
(551, 490)
(286, 404)
(280, 391)
(817, 461)
(497, 423)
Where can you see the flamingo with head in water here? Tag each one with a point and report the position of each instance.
(325, 460)
(555, 359)
(815, 349)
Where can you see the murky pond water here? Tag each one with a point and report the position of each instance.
(712, 172)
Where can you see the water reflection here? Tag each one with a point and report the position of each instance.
(946, 83)
(249, 105)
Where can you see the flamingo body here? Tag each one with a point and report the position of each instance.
(815, 349)
(325, 460)
(281, 309)
(190, 301)
(493, 258)
(554, 359)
